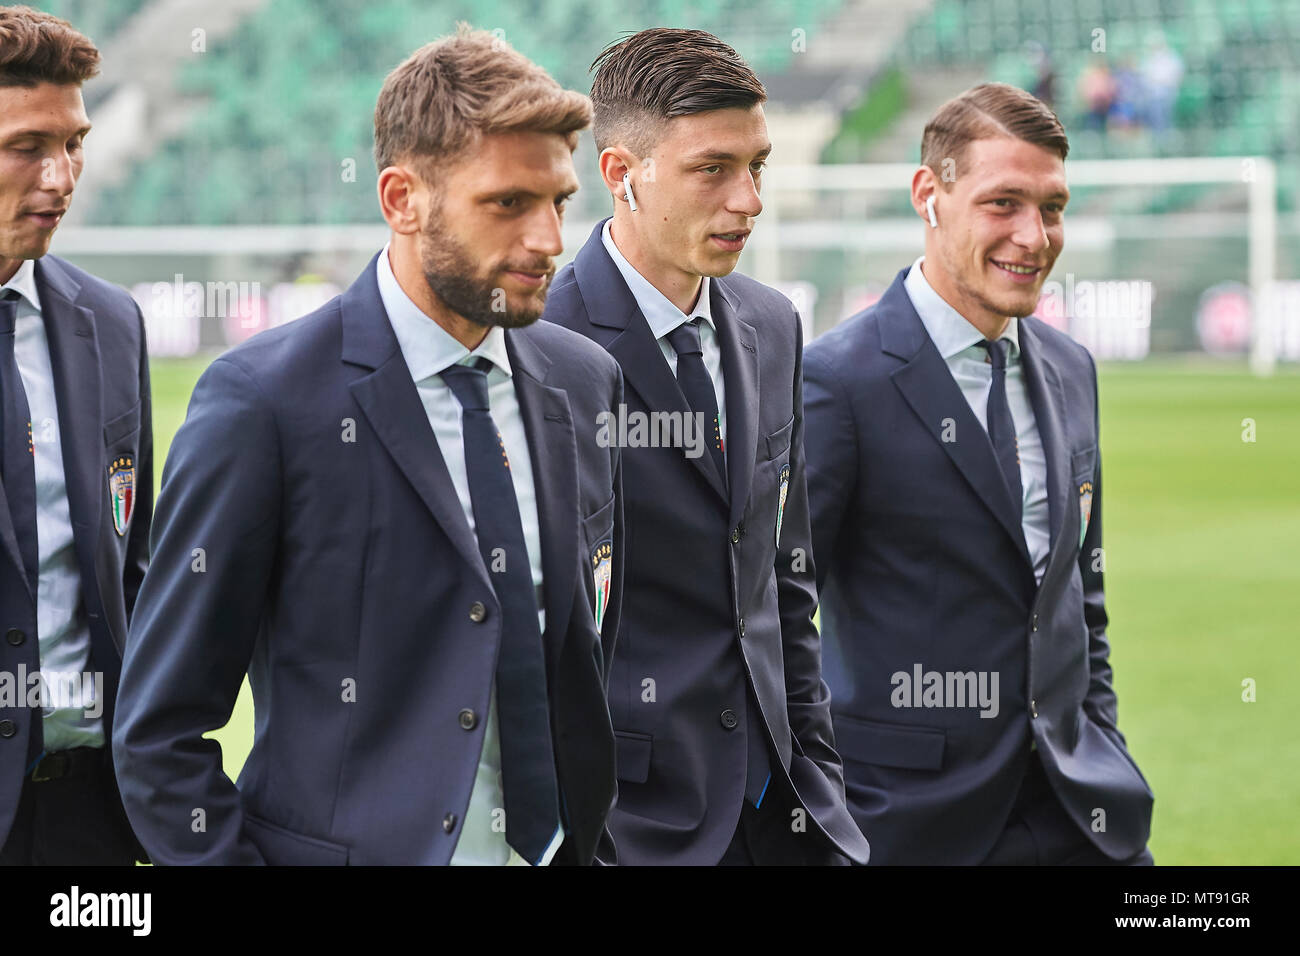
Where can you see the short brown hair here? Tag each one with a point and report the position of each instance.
(646, 79)
(987, 110)
(451, 92)
(37, 48)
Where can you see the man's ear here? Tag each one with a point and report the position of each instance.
(925, 187)
(615, 163)
(399, 190)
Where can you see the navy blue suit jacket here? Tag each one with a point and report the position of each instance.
(717, 615)
(101, 381)
(921, 560)
(308, 533)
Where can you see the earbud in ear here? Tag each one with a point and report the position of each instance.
(627, 189)
(929, 207)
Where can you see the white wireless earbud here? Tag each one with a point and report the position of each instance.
(627, 187)
(929, 207)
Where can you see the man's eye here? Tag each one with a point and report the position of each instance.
(1003, 203)
(508, 203)
(706, 169)
(758, 167)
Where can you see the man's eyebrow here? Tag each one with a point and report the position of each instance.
(721, 156)
(1017, 191)
(564, 193)
(44, 133)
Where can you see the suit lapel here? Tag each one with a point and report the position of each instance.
(392, 405)
(738, 343)
(610, 303)
(1048, 400)
(553, 452)
(927, 385)
(74, 360)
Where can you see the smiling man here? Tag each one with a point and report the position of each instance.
(393, 514)
(954, 474)
(76, 445)
(725, 751)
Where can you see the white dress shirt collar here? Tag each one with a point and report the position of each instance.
(426, 346)
(950, 331)
(24, 283)
(659, 312)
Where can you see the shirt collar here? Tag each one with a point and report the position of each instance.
(24, 283)
(659, 312)
(948, 328)
(426, 346)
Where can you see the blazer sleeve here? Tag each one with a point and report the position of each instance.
(807, 696)
(830, 444)
(1100, 704)
(137, 545)
(196, 623)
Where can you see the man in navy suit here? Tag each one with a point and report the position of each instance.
(725, 752)
(954, 474)
(395, 516)
(76, 452)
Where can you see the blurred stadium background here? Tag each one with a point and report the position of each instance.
(230, 186)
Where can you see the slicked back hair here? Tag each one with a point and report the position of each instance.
(984, 111)
(646, 79)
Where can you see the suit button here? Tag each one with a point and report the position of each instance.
(741, 627)
(729, 719)
(14, 636)
(477, 611)
(449, 823)
(8, 728)
(735, 536)
(1034, 623)
(468, 719)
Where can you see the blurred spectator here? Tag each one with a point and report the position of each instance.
(1128, 105)
(1163, 74)
(1044, 74)
(1097, 90)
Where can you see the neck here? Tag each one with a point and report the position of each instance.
(989, 324)
(680, 288)
(404, 260)
(8, 269)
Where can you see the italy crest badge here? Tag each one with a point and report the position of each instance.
(121, 491)
(601, 571)
(1085, 509)
(780, 506)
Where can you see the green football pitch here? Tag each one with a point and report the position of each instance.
(1202, 529)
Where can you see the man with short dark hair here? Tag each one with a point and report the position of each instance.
(77, 460)
(725, 751)
(954, 475)
(394, 515)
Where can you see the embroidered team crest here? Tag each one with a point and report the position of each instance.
(1085, 509)
(121, 491)
(601, 571)
(780, 506)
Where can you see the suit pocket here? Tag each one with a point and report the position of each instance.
(889, 745)
(633, 756)
(778, 443)
(599, 526)
(1083, 465)
(122, 426)
(283, 847)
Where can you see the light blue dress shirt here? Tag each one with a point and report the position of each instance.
(428, 349)
(71, 693)
(958, 342)
(663, 317)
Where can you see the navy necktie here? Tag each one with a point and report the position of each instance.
(18, 465)
(697, 386)
(527, 756)
(1002, 430)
